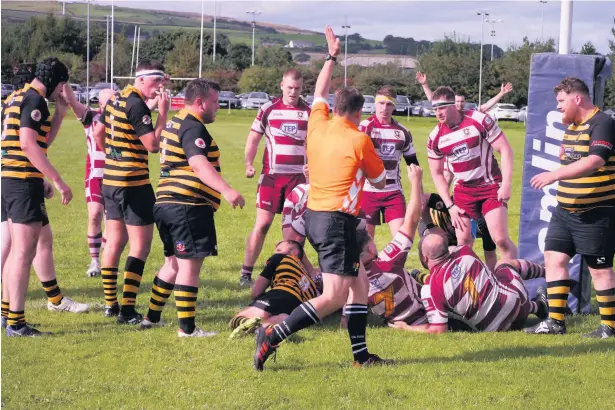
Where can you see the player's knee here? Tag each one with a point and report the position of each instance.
(503, 243)
(262, 227)
(24, 254)
(95, 219)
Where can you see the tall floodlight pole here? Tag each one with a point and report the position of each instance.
(254, 14)
(107, 51)
(542, 20)
(63, 7)
(134, 46)
(482, 15)
(345, 27)
(87, 63)
(565, 27)
(138, 44)
(215, 17)
(112, 36)
(493, 23)
(201, 52)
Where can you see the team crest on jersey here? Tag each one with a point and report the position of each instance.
(461, 150)
(488, 122)
(466, 131)
(289, 128)
(387, 149)
(169, 124)
(180, 246)
(300, 114)
(147, 120)
(36, 115)
(397, 134)
(200, 142)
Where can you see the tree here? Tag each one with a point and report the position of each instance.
(258, 78)
(183, 60)
(273, 57)
(588, 49)
(240, 56)
(609, 92)
(302, 58)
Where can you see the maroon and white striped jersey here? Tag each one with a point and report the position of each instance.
(95, 160)
(285, 130)
(463, 288)
(393, 294)
(467, 149)
(392, 142)
(294, 208)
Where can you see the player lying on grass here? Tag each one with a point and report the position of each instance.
(290, 285)
(460, 286)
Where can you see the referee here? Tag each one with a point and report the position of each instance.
(584, 220)
(187, 196)
(340, 157)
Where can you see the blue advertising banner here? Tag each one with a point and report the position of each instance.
(544, 134)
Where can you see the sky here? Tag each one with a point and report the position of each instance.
(423, 20)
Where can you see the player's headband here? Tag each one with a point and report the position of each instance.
(384, 98)
(443, 104)
(150, 73)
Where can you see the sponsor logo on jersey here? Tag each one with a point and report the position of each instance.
(387, 148)
(289, 128)
(571, 154)
(461, 150)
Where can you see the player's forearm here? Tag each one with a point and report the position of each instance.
(251, 148)
(581, 168)
(78, 109)
(208, 174)
(161, 123)
(427, 91)
(489, 104)
(442, 189)
(37, 157)
(323, 83)
(413, 210)
(506, 154)
(56, 123)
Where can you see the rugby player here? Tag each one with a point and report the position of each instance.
(460, 286)
(284, 123)
(127, 133)
(189, 192)
(333, 203)
(290, 283)
(460, 99)
(583, 222)
(392, 142)
(94, 170)
(465, 142)
(27, 130)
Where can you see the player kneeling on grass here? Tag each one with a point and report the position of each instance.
(393, 293)
(459, 286)
(188, 194)
(290, 284)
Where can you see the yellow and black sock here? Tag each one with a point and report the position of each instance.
(54, 294)
(161, 291)
(5, 309)
(109, 278)
(185, 300)
(132, 280)
(557, 292)
(606, 305)
(17, 319)
(237, 321)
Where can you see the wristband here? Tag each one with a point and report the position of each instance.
(450, 206)
(330, 57)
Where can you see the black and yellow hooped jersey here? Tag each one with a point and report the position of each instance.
(24, 108)
(184, 137)
(126, 118)
(594, 136)
(287, 273)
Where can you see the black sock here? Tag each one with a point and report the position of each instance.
(237, 321)
(185, 300)
(246, 271)
(303, 316)
(357, 323)
(132, 281)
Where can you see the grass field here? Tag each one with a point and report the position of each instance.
(92, 363)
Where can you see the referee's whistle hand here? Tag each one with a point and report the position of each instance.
(542, 180)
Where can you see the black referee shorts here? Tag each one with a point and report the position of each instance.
(276, 302)
(334, 236)
(590, 234)
(186, 231)
(134, 205)
(23, 201)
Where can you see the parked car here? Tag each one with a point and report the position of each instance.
(611, 112)
(7, 89)
(369, 106)
(470, 106)
(522, 116)
(101, 86)
(423, 109)
(80, 92)
(255, 100)
(502, 111)
(228, 99)
(403, 104)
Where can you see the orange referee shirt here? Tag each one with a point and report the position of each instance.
(339, 158)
